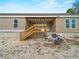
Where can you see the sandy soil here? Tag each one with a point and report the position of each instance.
(10, 48)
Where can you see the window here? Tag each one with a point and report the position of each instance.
(70, 23)
(67, 23)
(15, 23)
(73, 23)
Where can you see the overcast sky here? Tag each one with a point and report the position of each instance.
(35, 6)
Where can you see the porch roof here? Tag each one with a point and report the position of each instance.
(36, 15)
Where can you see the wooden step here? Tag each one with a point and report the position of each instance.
(33, 29)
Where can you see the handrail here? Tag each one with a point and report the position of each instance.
(35, 25)
(32, 28)
(40, 25)
(30, 32)
(29, 28)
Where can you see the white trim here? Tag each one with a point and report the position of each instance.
(27, 16)
(40, 16)
(37, 15)
(69, 16)
(70, 23)
(11, 30)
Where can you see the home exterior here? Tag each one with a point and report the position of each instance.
(59, 23)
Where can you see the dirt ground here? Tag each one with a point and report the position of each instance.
(38, 49)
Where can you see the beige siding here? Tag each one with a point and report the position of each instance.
(6, 23)
(60, 25)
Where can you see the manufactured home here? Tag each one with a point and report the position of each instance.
(28, 24)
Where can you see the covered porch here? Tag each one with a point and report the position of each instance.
(37, 27)
(49, 21)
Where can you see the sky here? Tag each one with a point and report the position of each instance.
(35, 6)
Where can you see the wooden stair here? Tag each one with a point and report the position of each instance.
(33, 29)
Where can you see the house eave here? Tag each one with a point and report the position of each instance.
(36, 15)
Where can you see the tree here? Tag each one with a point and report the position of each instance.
(70, 11)
(76, 6)
(74, 9)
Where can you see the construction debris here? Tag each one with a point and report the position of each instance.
(57, 40)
